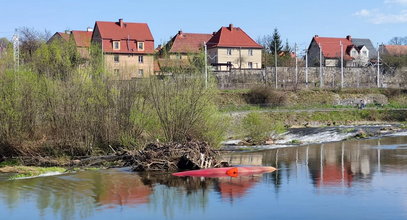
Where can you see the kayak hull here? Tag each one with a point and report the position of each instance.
(226, 172)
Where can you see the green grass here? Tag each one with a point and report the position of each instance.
(9, 163)
(25, 171)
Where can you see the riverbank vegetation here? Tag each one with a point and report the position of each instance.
(57, 104)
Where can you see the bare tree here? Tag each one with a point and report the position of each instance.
(398, 41)
(30, 41)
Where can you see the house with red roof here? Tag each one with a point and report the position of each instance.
(181, 49)
(330, 50)
(393, 50)
(128, 48)
(183, 45)
(82, 40)
(230, 47)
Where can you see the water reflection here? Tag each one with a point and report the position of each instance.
(333, 166)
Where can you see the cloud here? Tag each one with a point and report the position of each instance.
(375, 16)
(363, 13)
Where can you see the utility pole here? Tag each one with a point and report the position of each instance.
(341, 64)
(378, 66)
(275, 62)
(16, 51)
(206, 65)
(296, 66)
(306, 67)
(321, 83)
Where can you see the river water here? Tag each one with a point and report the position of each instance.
(364, 179)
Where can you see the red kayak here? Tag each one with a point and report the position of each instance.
(226, 172)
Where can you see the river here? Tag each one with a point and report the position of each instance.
(359, 179)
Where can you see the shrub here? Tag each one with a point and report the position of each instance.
(259, 127)
(266, 96)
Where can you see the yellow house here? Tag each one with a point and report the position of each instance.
(232, 48)
(128, 48)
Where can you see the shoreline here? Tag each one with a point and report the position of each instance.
(302, 136)
(294, 137)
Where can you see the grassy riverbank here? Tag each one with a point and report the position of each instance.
(267, 98)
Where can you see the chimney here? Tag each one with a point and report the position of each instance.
(231, 27)
(214, 33)
(316, 36)
(89, 29)
(349, 38)
(121, 22)
(180, 32)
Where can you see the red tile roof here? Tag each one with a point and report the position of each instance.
(395, 50)
(82, 38)
(232, 37)
(64, 35)
(331, 47)
(188, 42)
(127, 33)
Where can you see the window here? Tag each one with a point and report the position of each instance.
(140, 59)
(116, 72)
(116, 45)
(250, 52)
(250, 65)
(140, 45)
(116, 58)
(229, 51)
(141, 72)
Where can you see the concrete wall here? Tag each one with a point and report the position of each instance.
(286, 78)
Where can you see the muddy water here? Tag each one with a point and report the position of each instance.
(344, 180)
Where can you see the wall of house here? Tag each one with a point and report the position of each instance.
(332, 62)
(239, 58)
(129, 65)
(313, 54)
(178, 56)
(353, 78)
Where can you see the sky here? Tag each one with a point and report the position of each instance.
(297, 20)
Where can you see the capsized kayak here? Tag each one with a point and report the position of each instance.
(226, 171)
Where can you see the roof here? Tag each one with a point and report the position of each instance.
(132, 31)
(188, 42)
(368, 44)
(331, 47)
(394, 50)
(64, 35)
(82, 38)
(128, 34)
(232, 37)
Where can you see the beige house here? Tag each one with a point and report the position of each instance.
(128, 48)
(232, 48)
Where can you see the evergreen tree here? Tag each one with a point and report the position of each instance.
(275, 44)
(287, 47)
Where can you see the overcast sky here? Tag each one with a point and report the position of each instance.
(297, 20)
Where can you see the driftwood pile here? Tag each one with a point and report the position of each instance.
(175, 156)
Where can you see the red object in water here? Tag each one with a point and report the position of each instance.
(226, 172)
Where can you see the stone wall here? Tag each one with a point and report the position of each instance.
(331, 78)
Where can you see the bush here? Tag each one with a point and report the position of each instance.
(266, 96)
(259, 127)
